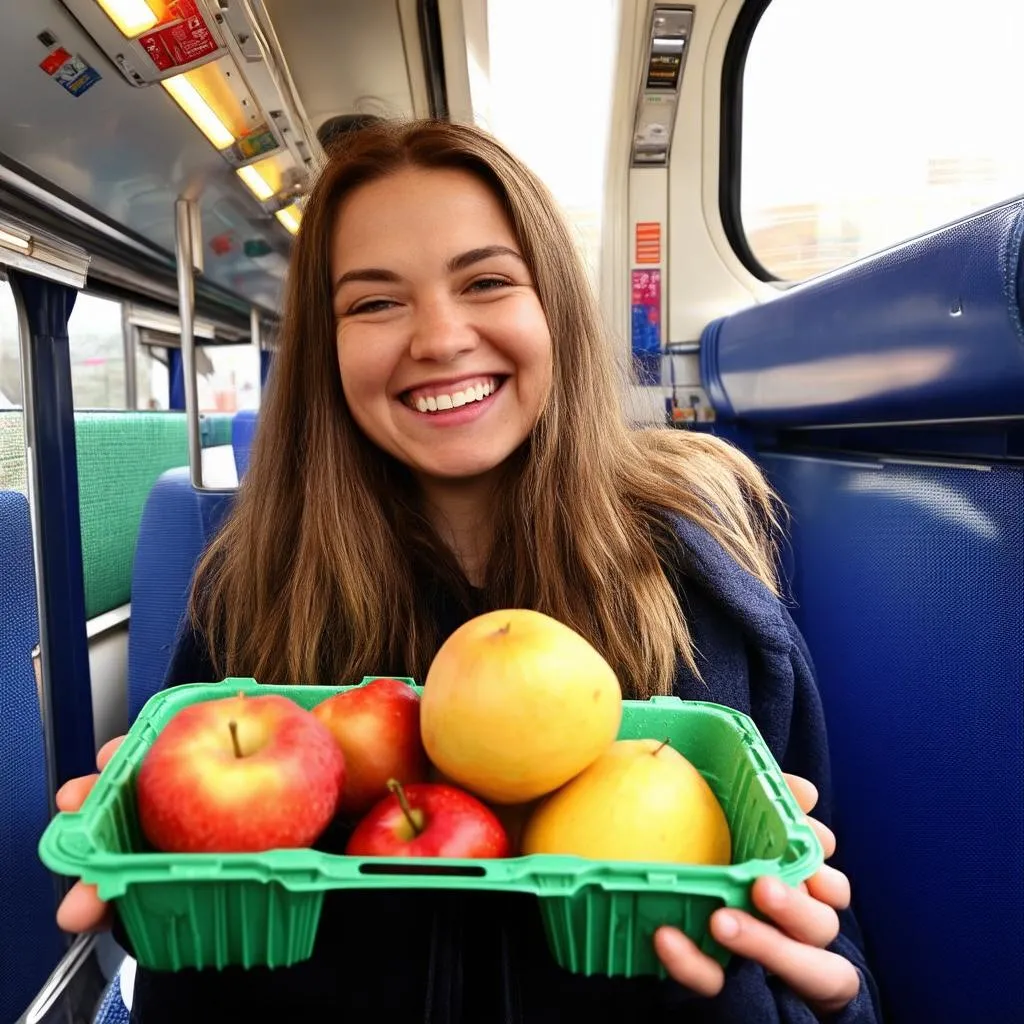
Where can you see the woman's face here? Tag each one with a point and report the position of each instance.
(444, 350)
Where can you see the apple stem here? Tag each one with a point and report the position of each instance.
(233, 726)
(396, 787)
(506, 629)
(661, 746)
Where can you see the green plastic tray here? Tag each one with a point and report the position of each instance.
(215, 910)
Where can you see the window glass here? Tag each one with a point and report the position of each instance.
(229, 378)
(13, 469)
(548, 98)
(868, 123)
(10, 352)
(96, 338)
(152, 380)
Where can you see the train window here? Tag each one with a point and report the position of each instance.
(865, 124)
(96, 336)
(229, 378)
(13, 470)
(548, 97)
(10, 352)
(152, 377)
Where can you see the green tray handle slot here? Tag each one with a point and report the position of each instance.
(387, 867)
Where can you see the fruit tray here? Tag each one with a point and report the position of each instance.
(248, 909)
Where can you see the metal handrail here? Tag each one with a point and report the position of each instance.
(187, 246)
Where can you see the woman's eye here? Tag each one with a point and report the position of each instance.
(370, 306)
(489, 284)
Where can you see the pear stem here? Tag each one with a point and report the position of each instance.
(396, 787)
(659, 749)
(233, 726)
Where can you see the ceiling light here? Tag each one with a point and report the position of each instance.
(201, 113)
(290, 217)
(132, 17)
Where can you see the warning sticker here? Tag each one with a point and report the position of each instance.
(54, 60)
(648, 242)
(261, 140)
(180, 43)
(72, 72)
(646, 325)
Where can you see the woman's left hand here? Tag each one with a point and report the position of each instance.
(792, 947)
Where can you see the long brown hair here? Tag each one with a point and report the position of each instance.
(314, 577)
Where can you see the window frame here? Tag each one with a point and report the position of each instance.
(731, 139)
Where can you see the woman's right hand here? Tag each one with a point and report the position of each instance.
(82, 910)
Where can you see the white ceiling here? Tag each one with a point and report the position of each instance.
(129, 152)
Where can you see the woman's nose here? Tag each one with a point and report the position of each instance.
(441, 333)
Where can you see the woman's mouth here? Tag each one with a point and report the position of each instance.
(442, 400)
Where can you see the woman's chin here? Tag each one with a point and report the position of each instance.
(457, 470)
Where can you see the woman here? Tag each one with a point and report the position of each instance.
(441, 436)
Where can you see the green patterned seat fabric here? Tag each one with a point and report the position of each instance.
(120, 457)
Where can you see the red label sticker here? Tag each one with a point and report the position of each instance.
(55, 60)
(647, 288)
(648, 242)
(222, 244)
(186, 41)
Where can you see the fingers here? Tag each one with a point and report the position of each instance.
(826, 836)
(687, 964)
(829, 886)
(797, 913)
(107, 751)
(805, 791)
(807, 797)
(72, 794)
(826, 981)
(82, 910)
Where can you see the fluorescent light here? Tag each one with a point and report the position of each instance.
(16, 240)
(132, 17)
(257, 184)
(290, 217)
(201, 113)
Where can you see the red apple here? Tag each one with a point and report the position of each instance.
(377, 727)
(239, 774)
(429, 819)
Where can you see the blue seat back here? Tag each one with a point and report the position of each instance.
(177, 523)
(243, 432)
(111, 1008)
(908, 581)
(30, 943)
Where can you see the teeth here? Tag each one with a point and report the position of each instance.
(474, 393)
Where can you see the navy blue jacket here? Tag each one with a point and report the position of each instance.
(437, 957)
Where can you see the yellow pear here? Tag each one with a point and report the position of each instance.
(516, 703)
(641, 800)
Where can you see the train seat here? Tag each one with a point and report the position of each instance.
(113, 1009)
(243, 431)
(30, 942)
(177, 522)
(883, 400)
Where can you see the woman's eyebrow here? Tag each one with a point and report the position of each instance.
(467, 259)
(367, 274)
(456, 263)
